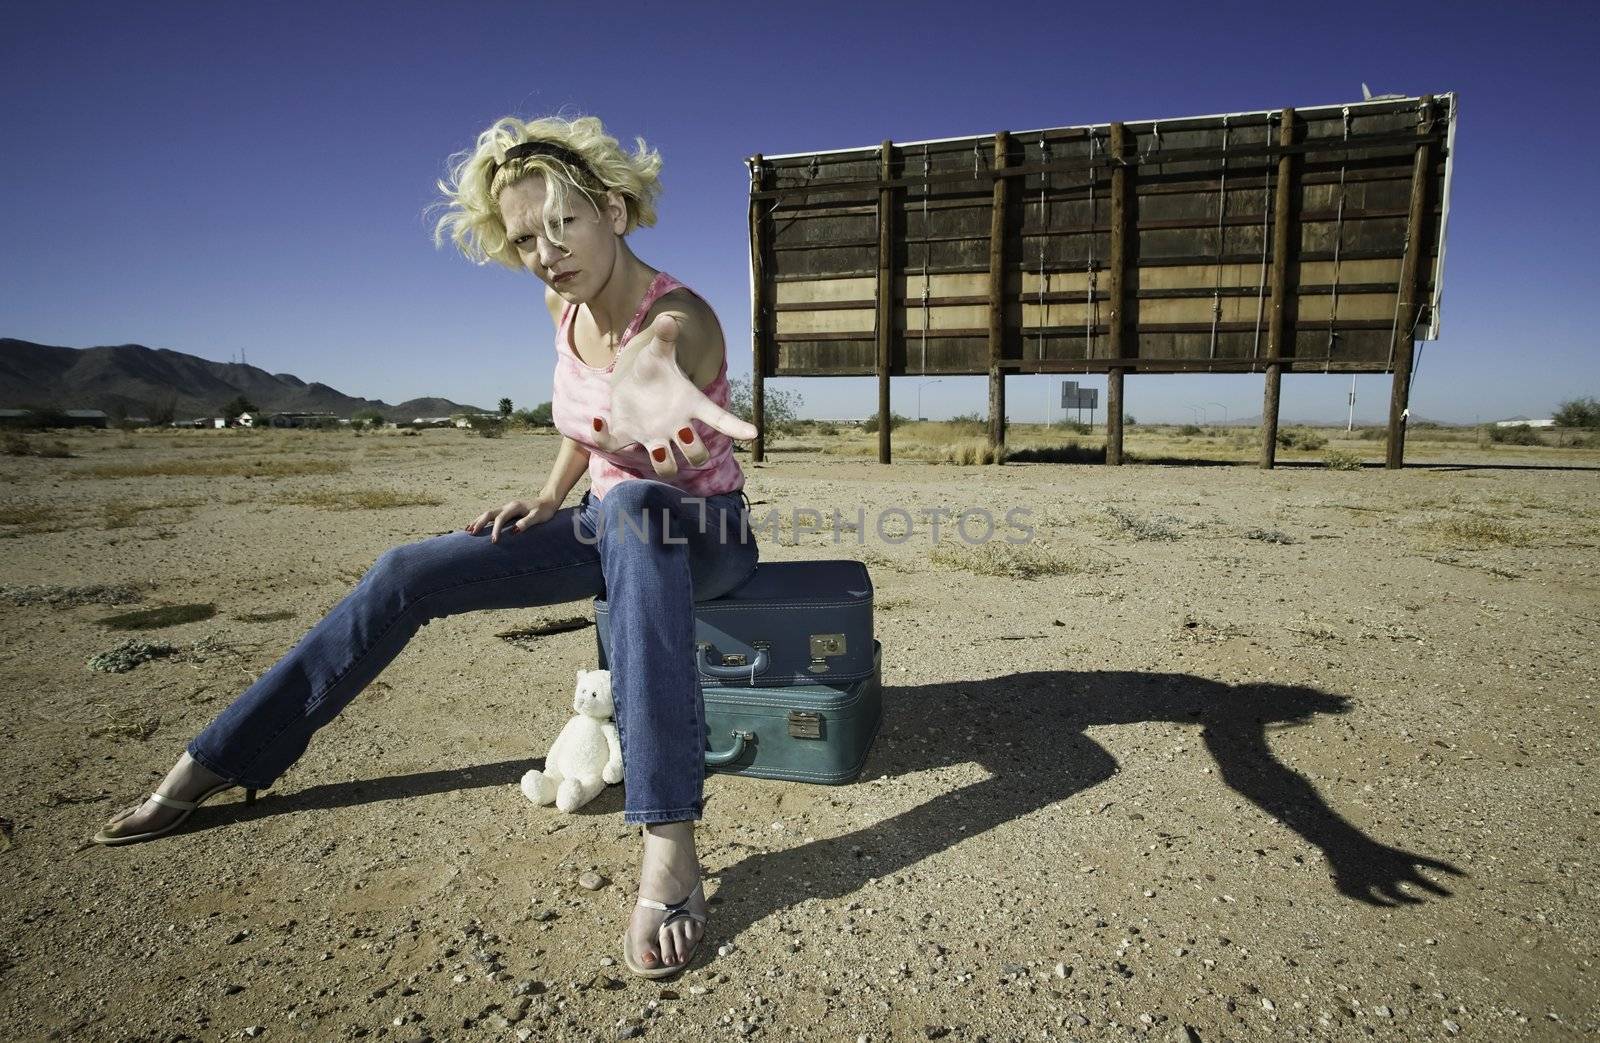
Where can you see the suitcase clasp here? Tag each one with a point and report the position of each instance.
(826, 645)
(805, 724)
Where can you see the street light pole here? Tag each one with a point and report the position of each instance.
(1224, 409)
(920, 386)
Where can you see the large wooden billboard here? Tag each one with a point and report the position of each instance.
(1307, 240)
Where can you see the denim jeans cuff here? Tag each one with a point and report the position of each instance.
(210, 765)
(691, 814)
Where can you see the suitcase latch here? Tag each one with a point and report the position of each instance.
(733, 659)
(826, 645)
(805, 724)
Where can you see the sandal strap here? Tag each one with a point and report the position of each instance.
(173, 802)
(676, 909)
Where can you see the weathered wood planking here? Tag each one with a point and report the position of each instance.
(1196, 292)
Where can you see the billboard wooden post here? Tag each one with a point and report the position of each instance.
(885, 296)
(1118, 290)
(1402, 346)
(1276, 323)
(997, 298)
(758, 311)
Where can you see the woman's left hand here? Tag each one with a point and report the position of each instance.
(652, 402)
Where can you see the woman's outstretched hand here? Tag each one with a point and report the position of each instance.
(652, 402)
(516, 516)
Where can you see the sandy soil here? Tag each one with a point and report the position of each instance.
(1290, 754)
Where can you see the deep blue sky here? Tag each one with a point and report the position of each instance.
(250, 178)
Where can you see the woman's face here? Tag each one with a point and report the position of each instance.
(578, 269)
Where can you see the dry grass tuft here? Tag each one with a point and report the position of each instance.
(27, 518)
(1474, 531)
(971, 453)
(220, 468)
(359, 499)
(1157, 527)
(69, 597)
(1009, 560)
(263, 617)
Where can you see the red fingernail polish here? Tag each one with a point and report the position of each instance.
(597, 424)
(659, 453)
(685, 434)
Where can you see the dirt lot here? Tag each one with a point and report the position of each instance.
(1221, 754)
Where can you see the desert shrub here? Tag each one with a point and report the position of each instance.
(538, 416)
(366, 418)
(1372, 434)
(1519, 434)
(1077, 427)
(967, 418)
(870, 425)
(1339, 460)
(487, 426)
(1190, 430)
(1579, 412)
(782, 408)
(1296, 438)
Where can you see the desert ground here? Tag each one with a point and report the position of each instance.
(1219, 754)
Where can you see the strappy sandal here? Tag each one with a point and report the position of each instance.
(674, 911)
(185, 806)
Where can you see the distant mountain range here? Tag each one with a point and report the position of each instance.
(134, 380)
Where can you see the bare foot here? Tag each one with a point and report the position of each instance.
(669, 871)
(186, 781)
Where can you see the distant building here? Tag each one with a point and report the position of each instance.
(299, 419)
(1522, 421)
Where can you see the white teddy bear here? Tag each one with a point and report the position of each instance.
(587, 755)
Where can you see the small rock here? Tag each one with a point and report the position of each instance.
(238, 937)
(1451, 1027)
(523, 1035)
(630, 1031)
(1383, 1012)
(460, 979)
(1063, 971)
(233, 989)
(254, 1030)
(591, 881)
(545, 915)
(697, 990)
(725, 949)
(608, 961)
(935, 1031)
(1268, 1005)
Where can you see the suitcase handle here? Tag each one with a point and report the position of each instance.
(718, 758)
(735, 671)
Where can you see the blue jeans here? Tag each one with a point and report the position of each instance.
(649, 548)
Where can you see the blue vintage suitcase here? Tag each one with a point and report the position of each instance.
(791, 622)
(789, 671)
(802, 733)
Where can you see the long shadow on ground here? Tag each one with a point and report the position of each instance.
(1036, 753)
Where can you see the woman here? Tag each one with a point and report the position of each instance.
(641, 368)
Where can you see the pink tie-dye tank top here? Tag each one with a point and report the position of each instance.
(583, 392)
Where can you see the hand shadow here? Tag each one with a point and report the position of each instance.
(1038, 755)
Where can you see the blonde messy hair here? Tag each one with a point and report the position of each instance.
(478, 176)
